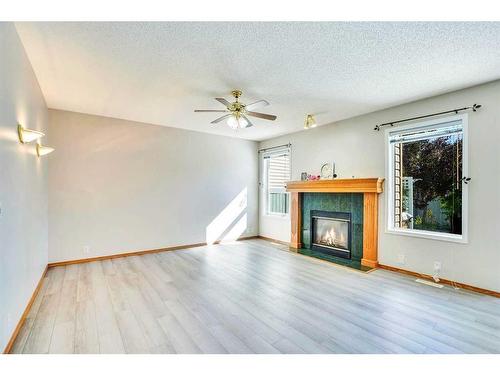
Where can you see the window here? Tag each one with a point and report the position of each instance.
(276, 173)
(426, 164)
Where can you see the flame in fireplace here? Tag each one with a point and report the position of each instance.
(333, 239)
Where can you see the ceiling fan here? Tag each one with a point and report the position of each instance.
(237, 112)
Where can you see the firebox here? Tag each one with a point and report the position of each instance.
(331, 233)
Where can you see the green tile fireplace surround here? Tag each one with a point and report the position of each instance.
(337, 202)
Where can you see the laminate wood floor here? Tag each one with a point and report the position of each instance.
(250, 297)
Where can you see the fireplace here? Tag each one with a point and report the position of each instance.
(358, 196)
(331, 233)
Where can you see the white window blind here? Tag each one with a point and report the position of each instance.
(277, 174)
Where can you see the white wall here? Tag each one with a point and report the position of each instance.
(118, 186)
(359, 151)
(23, 184)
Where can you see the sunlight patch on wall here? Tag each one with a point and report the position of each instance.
(237, 230)
(224, 224)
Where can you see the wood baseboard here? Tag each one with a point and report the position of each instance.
(442, 281)
(13, 337)
(134, 253)
(122, 255)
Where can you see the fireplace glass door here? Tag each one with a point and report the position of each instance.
(331, 233)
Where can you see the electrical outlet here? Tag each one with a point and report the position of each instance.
(437, 266)
(86, 249)
(401, 259)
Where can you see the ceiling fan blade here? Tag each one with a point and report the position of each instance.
(221, 118)
(249, 122)
(211, 110)
(223, 101)
(265, 116)
(257, 104)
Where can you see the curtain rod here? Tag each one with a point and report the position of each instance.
(474, 108)
(272, 148)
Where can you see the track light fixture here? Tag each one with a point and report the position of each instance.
(310, 122)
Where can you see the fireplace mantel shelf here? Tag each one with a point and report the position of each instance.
(348, 185)
(369, 187)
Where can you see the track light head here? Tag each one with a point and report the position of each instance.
(28, 135)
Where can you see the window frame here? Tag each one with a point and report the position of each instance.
(265, 179)
(389, 165)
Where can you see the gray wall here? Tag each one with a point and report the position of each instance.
(118, 186)
(359, 151)
(23, 184)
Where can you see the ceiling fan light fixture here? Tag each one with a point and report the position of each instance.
(238, 112)
(310, 122)
(237, 122)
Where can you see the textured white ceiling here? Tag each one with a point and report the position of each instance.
(160, 72)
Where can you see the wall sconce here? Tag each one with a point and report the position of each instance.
(310, 122)
(43, 150)
(28, 135)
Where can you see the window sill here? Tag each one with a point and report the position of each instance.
(277, 216)
(428, 235)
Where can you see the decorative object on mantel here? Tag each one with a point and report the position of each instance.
(328, 171)
(474, 108)
(304, 176)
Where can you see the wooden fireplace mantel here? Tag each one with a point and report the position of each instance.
(369, 187)
(348, 185)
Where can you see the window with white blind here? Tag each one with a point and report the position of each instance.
(276, 172)
(427, 165)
